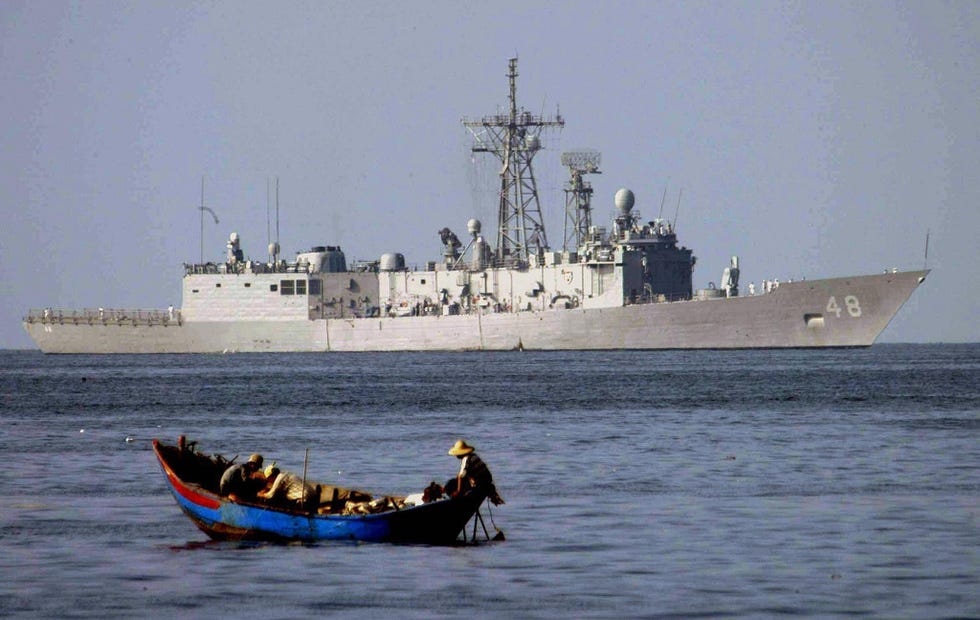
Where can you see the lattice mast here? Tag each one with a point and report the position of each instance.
(578, 196)
(515, 138)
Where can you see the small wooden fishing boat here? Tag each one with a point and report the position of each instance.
(340, 514)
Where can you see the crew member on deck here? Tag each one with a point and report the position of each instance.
(288, 490)
(244, 480)
(473, 473)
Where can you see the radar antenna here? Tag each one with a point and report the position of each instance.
(515, 138)
(578, 195)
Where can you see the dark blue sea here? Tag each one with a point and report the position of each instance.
(638, 484)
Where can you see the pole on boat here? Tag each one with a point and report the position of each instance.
(306, 461)
(484, 525)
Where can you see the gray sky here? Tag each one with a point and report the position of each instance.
(811, 139)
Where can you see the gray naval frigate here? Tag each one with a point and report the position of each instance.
(625, 287)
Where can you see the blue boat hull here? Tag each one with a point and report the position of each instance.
(438, 522)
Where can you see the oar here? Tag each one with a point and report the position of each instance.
(500, 533)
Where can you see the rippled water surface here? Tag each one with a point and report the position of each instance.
(638, 484)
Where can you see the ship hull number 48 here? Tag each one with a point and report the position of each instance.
(851, 305)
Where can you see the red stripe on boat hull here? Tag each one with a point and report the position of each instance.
(193, 496)
(185, 491)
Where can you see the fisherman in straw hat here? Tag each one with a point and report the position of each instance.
(243, 480)
(473, 473)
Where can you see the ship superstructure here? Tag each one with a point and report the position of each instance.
(628, 286)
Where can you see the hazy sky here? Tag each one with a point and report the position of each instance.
(811, 139)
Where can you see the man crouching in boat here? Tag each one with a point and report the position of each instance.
(473, 473)
(288, 490)
(244, 480)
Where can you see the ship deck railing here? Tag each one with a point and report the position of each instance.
(104, 316)
(243, 268)
(659, 298)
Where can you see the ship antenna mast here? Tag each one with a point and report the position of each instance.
(578, 195)
(514, 138)
(925, 259)
(276, 247)
(273, 245)
(662, 201)
(268, 212)
(678, 210)
(202, 209)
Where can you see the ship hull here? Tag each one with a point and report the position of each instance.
(837, 312)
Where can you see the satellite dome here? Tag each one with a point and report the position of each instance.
(473, 226)
(624, 200)
(233, 237)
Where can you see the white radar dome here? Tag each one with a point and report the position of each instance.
(233, 237)
(624, 200)
(473, 226)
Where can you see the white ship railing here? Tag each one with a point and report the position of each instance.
(103, 316)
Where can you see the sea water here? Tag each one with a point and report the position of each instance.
(638, 484)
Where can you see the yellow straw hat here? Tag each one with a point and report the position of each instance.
(461, 448)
